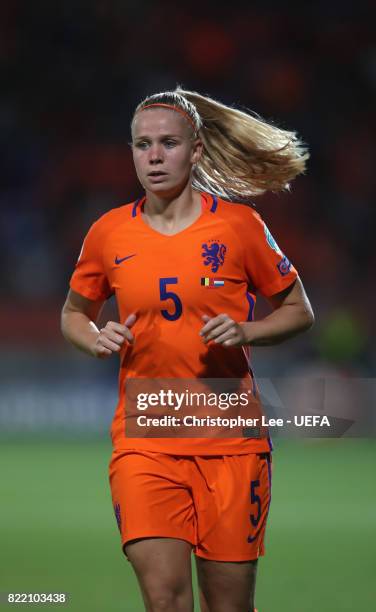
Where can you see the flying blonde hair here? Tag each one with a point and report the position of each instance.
(243, 156)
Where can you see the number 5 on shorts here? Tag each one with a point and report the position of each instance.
(255, 499)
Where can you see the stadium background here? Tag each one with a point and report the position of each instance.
(71, 74)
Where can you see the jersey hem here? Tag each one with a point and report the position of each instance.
(198, 452)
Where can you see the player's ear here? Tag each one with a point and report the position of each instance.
(196, 150)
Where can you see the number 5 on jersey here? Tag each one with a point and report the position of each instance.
(170, 295)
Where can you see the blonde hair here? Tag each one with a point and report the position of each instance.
(243, 156)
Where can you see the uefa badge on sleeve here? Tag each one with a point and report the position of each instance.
(284, 266)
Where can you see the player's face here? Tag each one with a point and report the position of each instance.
(163, 150)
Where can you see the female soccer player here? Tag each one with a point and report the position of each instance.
(185, 262)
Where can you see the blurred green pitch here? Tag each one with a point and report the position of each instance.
(58, 531)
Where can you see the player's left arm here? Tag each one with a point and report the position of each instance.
(292, 314)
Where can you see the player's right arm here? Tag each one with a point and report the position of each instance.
(78, 325)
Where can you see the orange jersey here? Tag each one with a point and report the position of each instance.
(214, 266)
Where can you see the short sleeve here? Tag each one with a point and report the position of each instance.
(268, 268)
(89, 277)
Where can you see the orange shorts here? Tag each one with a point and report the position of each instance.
(219, 504)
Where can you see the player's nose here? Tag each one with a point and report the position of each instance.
(155, 154)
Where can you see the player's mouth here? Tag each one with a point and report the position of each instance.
(157, 176)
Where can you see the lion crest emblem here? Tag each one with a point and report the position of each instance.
(214, 254)
(117, 515)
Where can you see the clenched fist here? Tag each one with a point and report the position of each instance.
(223, 330)
(112, 337)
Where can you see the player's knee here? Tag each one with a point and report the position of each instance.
(163, 602)
(173, 597)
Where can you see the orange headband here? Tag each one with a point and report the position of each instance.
(175, 108)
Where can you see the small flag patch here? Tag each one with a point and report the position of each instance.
(211, 282)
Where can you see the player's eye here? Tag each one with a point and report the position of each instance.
(170, 143)
(141, 144)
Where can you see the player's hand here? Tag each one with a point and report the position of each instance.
(112, 337)
(223, 330)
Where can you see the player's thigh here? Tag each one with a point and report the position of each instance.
(226, 586)
(163, 569)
